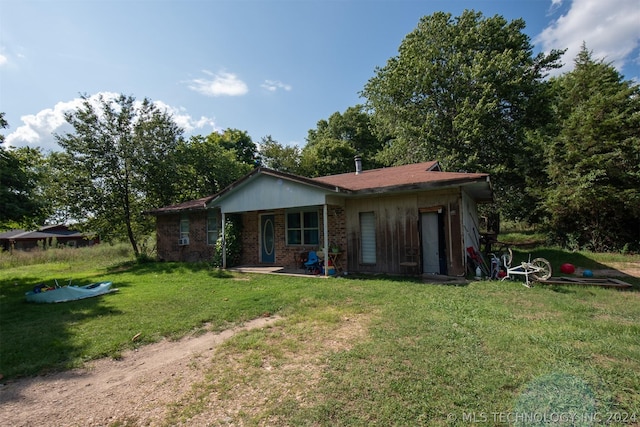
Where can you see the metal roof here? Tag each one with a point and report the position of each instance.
(44, 232)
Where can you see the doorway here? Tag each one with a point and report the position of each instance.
(267, 239)
(434, 259)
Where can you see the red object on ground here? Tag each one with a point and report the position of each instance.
(567, 268)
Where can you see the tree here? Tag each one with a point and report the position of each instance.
(332, 145)
(19, 204)
(463, 91)
(593, 196)
(238, 141)
(327, 157)
(204, 166)
(116, 164)
(281, 158)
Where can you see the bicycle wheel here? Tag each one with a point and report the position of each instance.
(543, 269)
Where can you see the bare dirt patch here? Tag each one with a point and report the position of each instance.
(196, 381)
(267, 383)
(135, 390)
(620, 269)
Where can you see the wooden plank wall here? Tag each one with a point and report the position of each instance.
(397, 228)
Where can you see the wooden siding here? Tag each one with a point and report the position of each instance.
(268, 192)
(398, 229)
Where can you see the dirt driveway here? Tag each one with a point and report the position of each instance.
(138, 387)
(195, 381)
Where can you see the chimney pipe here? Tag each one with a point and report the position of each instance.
(358, 160)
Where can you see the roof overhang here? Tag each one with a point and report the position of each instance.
(478, 188)
(266, 189)
(189, 206)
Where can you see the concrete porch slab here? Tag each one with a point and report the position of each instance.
(271, 269)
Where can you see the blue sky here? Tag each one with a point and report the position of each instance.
(268, 67)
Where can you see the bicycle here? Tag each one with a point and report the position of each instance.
(539, 269)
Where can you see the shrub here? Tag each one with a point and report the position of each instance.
(232, 233)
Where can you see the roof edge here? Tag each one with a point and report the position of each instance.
(278, 174)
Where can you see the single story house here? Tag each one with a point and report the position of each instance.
(46, 235)
(408, 219)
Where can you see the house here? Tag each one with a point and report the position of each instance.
(399, 220)
(44, 236)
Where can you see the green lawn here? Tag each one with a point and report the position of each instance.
(355, 350)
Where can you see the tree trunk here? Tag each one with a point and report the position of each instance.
(127, 214)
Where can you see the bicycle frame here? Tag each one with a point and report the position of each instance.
(532, 270)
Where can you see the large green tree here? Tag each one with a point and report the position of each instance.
(116, 164)
(279, 157)
(239, 141)
(19, 182)
(332, 145)
(206, 165)
(593, 196)
(463, 91)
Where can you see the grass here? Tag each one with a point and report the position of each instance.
(350, 351)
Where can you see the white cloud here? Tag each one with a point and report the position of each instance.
(555, 5)
(273, 85)
(185, 121)
(220, 84)
(3, 60)
(609, 28)
(38, 129)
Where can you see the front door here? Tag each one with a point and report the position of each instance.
(433, 244)
(267, 239)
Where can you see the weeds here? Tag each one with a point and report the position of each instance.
(96, 255)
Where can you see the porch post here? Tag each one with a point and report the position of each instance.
(224, 243)
(325, 220)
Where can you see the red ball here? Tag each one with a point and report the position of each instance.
(567, 268)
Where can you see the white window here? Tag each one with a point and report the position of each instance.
(184, 228)
(303, 228)
(368, 238)
(212, 228)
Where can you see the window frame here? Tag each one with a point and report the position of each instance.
(184, 234)
(372, 258)
(302, 229)
(213, 218)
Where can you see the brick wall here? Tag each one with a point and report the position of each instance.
(249, 239)
(168, 235)
(337, 228)
(288, 256)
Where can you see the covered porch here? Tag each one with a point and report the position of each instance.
(283, 219)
